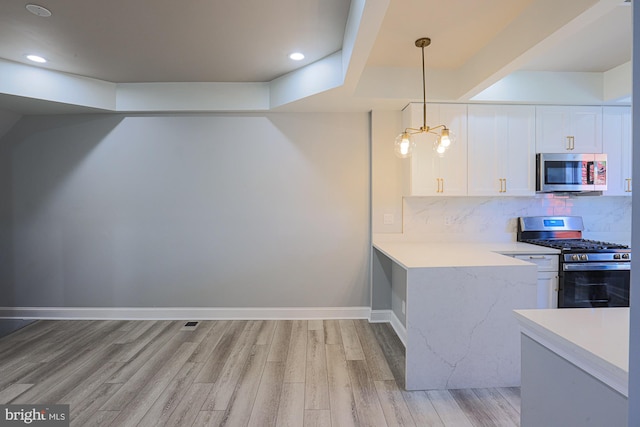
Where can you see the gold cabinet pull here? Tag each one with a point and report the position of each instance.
(503, 185)
(628, 189)
(571, 143)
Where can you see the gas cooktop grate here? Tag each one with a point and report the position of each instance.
(573, 244)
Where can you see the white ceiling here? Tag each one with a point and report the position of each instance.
(474, 44)
(124, 41)
(602, 45)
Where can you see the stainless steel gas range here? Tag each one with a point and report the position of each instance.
(592, 273)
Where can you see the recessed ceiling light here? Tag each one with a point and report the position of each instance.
(296, 56)
(36, 58)
(38, 10)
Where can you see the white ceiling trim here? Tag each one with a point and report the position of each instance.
(546, 87)
(551, 87)
(191, 97)
(618, 83)
(315, 78)
(38, 83)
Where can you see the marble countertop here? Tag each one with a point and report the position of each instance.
(594, 339)
(433, 254)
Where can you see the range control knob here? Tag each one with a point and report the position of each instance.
(575, 258)
(616, 256)
(583, 257)
(625, 256)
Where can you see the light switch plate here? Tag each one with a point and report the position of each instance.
(388, 219)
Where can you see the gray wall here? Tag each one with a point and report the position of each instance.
(7, 120)
(266, 210)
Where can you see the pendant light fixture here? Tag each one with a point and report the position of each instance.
(404, 143)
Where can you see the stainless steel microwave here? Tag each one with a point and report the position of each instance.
(571, 172)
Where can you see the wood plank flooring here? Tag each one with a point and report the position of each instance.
(296, 373)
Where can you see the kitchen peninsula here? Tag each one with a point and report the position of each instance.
(452, 305)
(575, 367)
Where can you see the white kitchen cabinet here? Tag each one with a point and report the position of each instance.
(547, 278)
(573, 129)
(428, 173)
(617, 144)
(547, 289)
(501, 150)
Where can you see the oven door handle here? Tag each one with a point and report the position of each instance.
(597, 266)
(591, 178)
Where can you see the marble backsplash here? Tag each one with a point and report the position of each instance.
(462, 219)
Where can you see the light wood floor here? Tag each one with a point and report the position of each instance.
(233, 373)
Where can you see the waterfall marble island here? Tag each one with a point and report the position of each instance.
(575, 367)
(452, 305)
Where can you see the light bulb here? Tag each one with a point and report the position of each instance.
(445, 141)
(440, 149)
(404, 145)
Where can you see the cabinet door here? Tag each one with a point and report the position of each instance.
(552, 129)
(568, 129)
(617, 144)
(453, 166)
(501, 147)
(430, 174)
(486, 133)
(586, 128)
(519, 151)
(547, 290)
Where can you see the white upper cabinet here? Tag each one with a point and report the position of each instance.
(495, 146)
(501, 146)
(617, 144)
(574, 129)
(429, 174)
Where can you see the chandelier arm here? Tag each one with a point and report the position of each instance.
(413, 131)
(425, 129)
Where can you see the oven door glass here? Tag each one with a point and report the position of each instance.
(571, 172)
(594, 288)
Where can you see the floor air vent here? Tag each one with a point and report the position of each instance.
(190, 326)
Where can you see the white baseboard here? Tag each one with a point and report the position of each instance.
(382, 316)
(205, 313)
(183, 313)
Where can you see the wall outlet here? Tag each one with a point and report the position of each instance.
(388, 219)
(404, 308)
